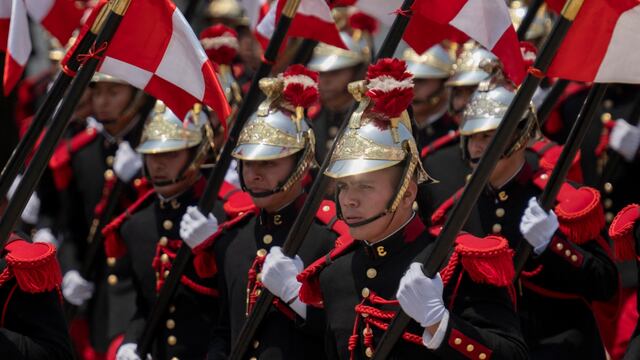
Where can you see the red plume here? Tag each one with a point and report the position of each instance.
(390, 87)
(300, 86)
(364, 22)
(220, 43)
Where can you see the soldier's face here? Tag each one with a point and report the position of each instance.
(263, 176)
(428, 97)
(109, 101)
(332, 86)
(167, 166)
(477, 145)
(460, 96)
(365, 196)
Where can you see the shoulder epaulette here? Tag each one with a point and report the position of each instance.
(327, 215)
(439, 143)
(113, 243)
(34, 265)
(579, 210)
(60, 162)
(548, 154)
(310, 292)
(622, 232)
(236, 201)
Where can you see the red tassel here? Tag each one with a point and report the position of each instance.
(205, 264)
(580, 213)
(621, 232)
(34, 265)
(487, 260)
(114, 245)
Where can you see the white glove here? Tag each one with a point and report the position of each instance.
(421, 297)
(537, 226)
(195, 228)
(45, 235)
(32, 209)
(625, 139)
(128, 352)
(127, 162)
(279, 276)
(94, 124)
(232, 176)
(75, 288)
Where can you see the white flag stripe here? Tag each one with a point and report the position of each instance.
(132, 74)
(19, 42)
(268, 25)
(179, 66)
(5, 9)
(382, 10)
(620, 63)
(484, 20)
(317, 8)
(38, 9)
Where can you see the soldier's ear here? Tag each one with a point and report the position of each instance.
(410, 194)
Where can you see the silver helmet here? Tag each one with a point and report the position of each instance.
(435, 63)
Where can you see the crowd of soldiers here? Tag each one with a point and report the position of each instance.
(421, 126)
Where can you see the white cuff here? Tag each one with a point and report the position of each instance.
(299, 307)
(433, 342)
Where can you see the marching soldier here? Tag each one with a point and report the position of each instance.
(146, 237)
(85, 171)
(275, 151)
(571, 266)
(463, 313)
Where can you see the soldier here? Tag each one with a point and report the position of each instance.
(430, 71)
(146, 237)
(275, 151)
(85, 172)
(377, 169)
(571, 267)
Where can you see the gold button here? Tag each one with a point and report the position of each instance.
(111, 261)
(544, 176)
(259, 277)
(368, 352)
(164, 241)
(609, 217)
(574, 258)
(258, 292)
(559, 246)
(256, 344)
(267, 239)
(496, 228)
(326, 208)
(371, 273)
(457, 341)
(241, 213)
(365, 292)
(109, 160)
(172, 308)
(567, 252)
(108, 175)
(470, 348)
(171, 324)
(261, 253)
(606, 117)
(112, 279)
(608, 187)
(164, 258)
(171, 340)
(499, 212)
(482, 356)
(166, 274)
(608, 203)
(502, 195)
(277, 219)
(137, 182)
(167, 224)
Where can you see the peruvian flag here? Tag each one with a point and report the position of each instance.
(59, 17)
(312, 21)
(485, 21)
(602, 45)
(18, 46)
(155, 49)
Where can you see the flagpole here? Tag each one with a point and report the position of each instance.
(59, 86)
(532, 11)
(105, 29)
(215, 180)
(550, 100)
(435, 259)
(303, 221)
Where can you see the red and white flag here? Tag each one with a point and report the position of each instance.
(602, 45)
(18, 46)
(485, 21)
(59, 17)
(313, 20)
(155, 49)
(5, 14)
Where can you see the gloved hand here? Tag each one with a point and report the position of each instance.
(127, 162)
(32, 209)
(421, 297)
(195, 228)
(537, 226)
(279, 274)
(625, 139)
(45, 235)
(232, 176)
(128, 352)
(75, 288)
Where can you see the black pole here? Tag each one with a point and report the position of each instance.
(576, 136)
(248, 106)
(550, 100)
(532, 11)
(303, 221)
(60, 120)
(60, 84)
(434, 261)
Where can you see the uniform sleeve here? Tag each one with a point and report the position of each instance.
(483, 324)
(220, 344)
(72, 223)
(34, 328)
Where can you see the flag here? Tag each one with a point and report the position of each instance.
(155, 49)
(602, 45)
(18, 46)
(59, 17)
(485, 21)
(5, 14)
(313, 20)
